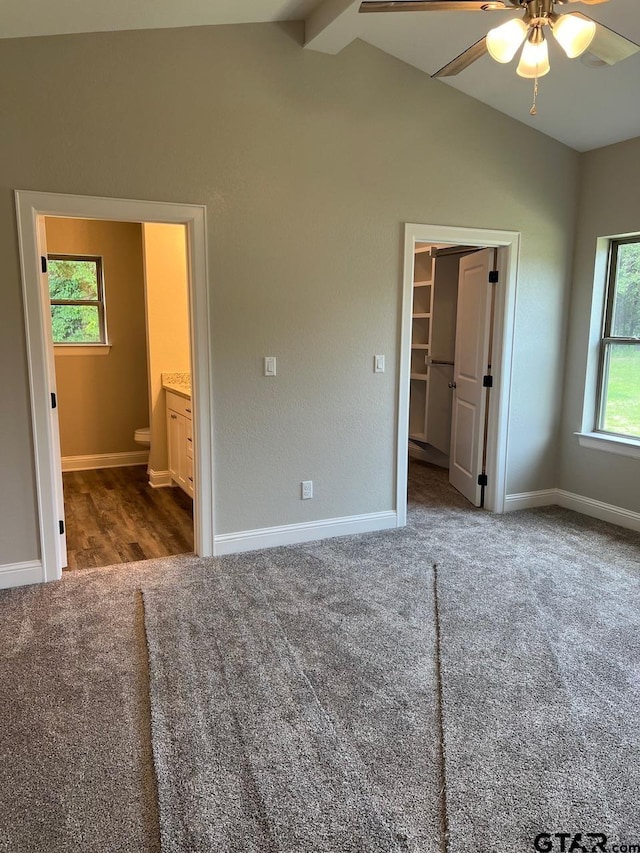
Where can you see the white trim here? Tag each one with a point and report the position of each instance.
(30, 208)
(578, 503)
(21, 574)
(104, 460)
(596, 321)
(531, 500)
(508, 243)
(610, 443)
(598, 509)
(159, 479)
(292, 534)
(81, 349)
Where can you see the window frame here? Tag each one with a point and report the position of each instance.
(99, 302)
(607, 340)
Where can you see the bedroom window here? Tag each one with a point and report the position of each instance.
(76, 290)
(618, 410)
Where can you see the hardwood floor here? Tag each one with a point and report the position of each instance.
(114, 516)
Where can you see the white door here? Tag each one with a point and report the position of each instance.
(473, 329)
(56, 460)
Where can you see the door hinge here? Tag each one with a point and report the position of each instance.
(487, 381)
(482, 479)
(493, 276)
(54, 402)
(43, 263)
(61, 526)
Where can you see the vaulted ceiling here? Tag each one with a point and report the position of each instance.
(582, 106)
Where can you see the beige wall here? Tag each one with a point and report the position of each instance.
(308, 165)
(608, 207)
(165, 265)
(104, 398)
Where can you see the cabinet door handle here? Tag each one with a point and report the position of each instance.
(189, 439)
(188, 411)
(173, 417)
(191, 478)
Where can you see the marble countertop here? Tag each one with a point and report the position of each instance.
(178, 383)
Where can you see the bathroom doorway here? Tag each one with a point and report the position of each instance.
(190, 385)
(119, 306)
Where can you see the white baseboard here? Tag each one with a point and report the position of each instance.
(105, 460)
(569, 500)
(530, 500)
(292, 534)
(21, 574)
(159, 479)
(598, 509)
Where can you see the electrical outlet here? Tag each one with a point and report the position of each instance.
(269, 365)
(307, 489)
(378, 364)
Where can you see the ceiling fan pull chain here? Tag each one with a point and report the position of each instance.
(534, 109)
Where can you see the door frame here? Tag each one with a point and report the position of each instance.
(508, 245)
(30, 207)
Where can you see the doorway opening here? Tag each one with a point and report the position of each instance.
(449, 399)
(119, 303)
(457, 343)
(150, 410)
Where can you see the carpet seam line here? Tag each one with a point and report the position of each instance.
(444, 818)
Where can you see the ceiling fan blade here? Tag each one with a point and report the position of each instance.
(435, 5)
(608, 45)
(476, 51)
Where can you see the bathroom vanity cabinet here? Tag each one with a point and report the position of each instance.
(180, 441)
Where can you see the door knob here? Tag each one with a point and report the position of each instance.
(452, 385)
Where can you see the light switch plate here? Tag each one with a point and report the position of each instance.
(269, 365)
(378, 364)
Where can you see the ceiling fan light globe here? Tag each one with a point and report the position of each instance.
(573, 34)
(534, 61)
(503, 41)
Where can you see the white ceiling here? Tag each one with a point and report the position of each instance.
(580, 106)
(583, 107)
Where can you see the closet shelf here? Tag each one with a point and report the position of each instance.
(421, 316)
(418, 436)
(422, 376)
(423, 283)
(420, 346)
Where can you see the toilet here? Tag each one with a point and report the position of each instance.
(143, 436)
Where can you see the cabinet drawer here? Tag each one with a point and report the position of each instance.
(179, 404)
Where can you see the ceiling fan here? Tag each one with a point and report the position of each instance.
(576, 33)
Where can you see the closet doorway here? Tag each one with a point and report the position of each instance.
(451, 377)
(458, 308)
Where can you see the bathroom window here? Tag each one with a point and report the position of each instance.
(619, 386)
(76, 290)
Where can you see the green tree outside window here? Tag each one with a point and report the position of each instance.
(77, 299)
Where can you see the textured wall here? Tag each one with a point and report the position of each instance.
(104, 398)
(608, 207)
(309, 165)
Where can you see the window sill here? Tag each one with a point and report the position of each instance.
(81, 349)
(610, 443)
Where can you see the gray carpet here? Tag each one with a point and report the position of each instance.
(313, 679)
(76, 769)
(539, 623)
(246, 757)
